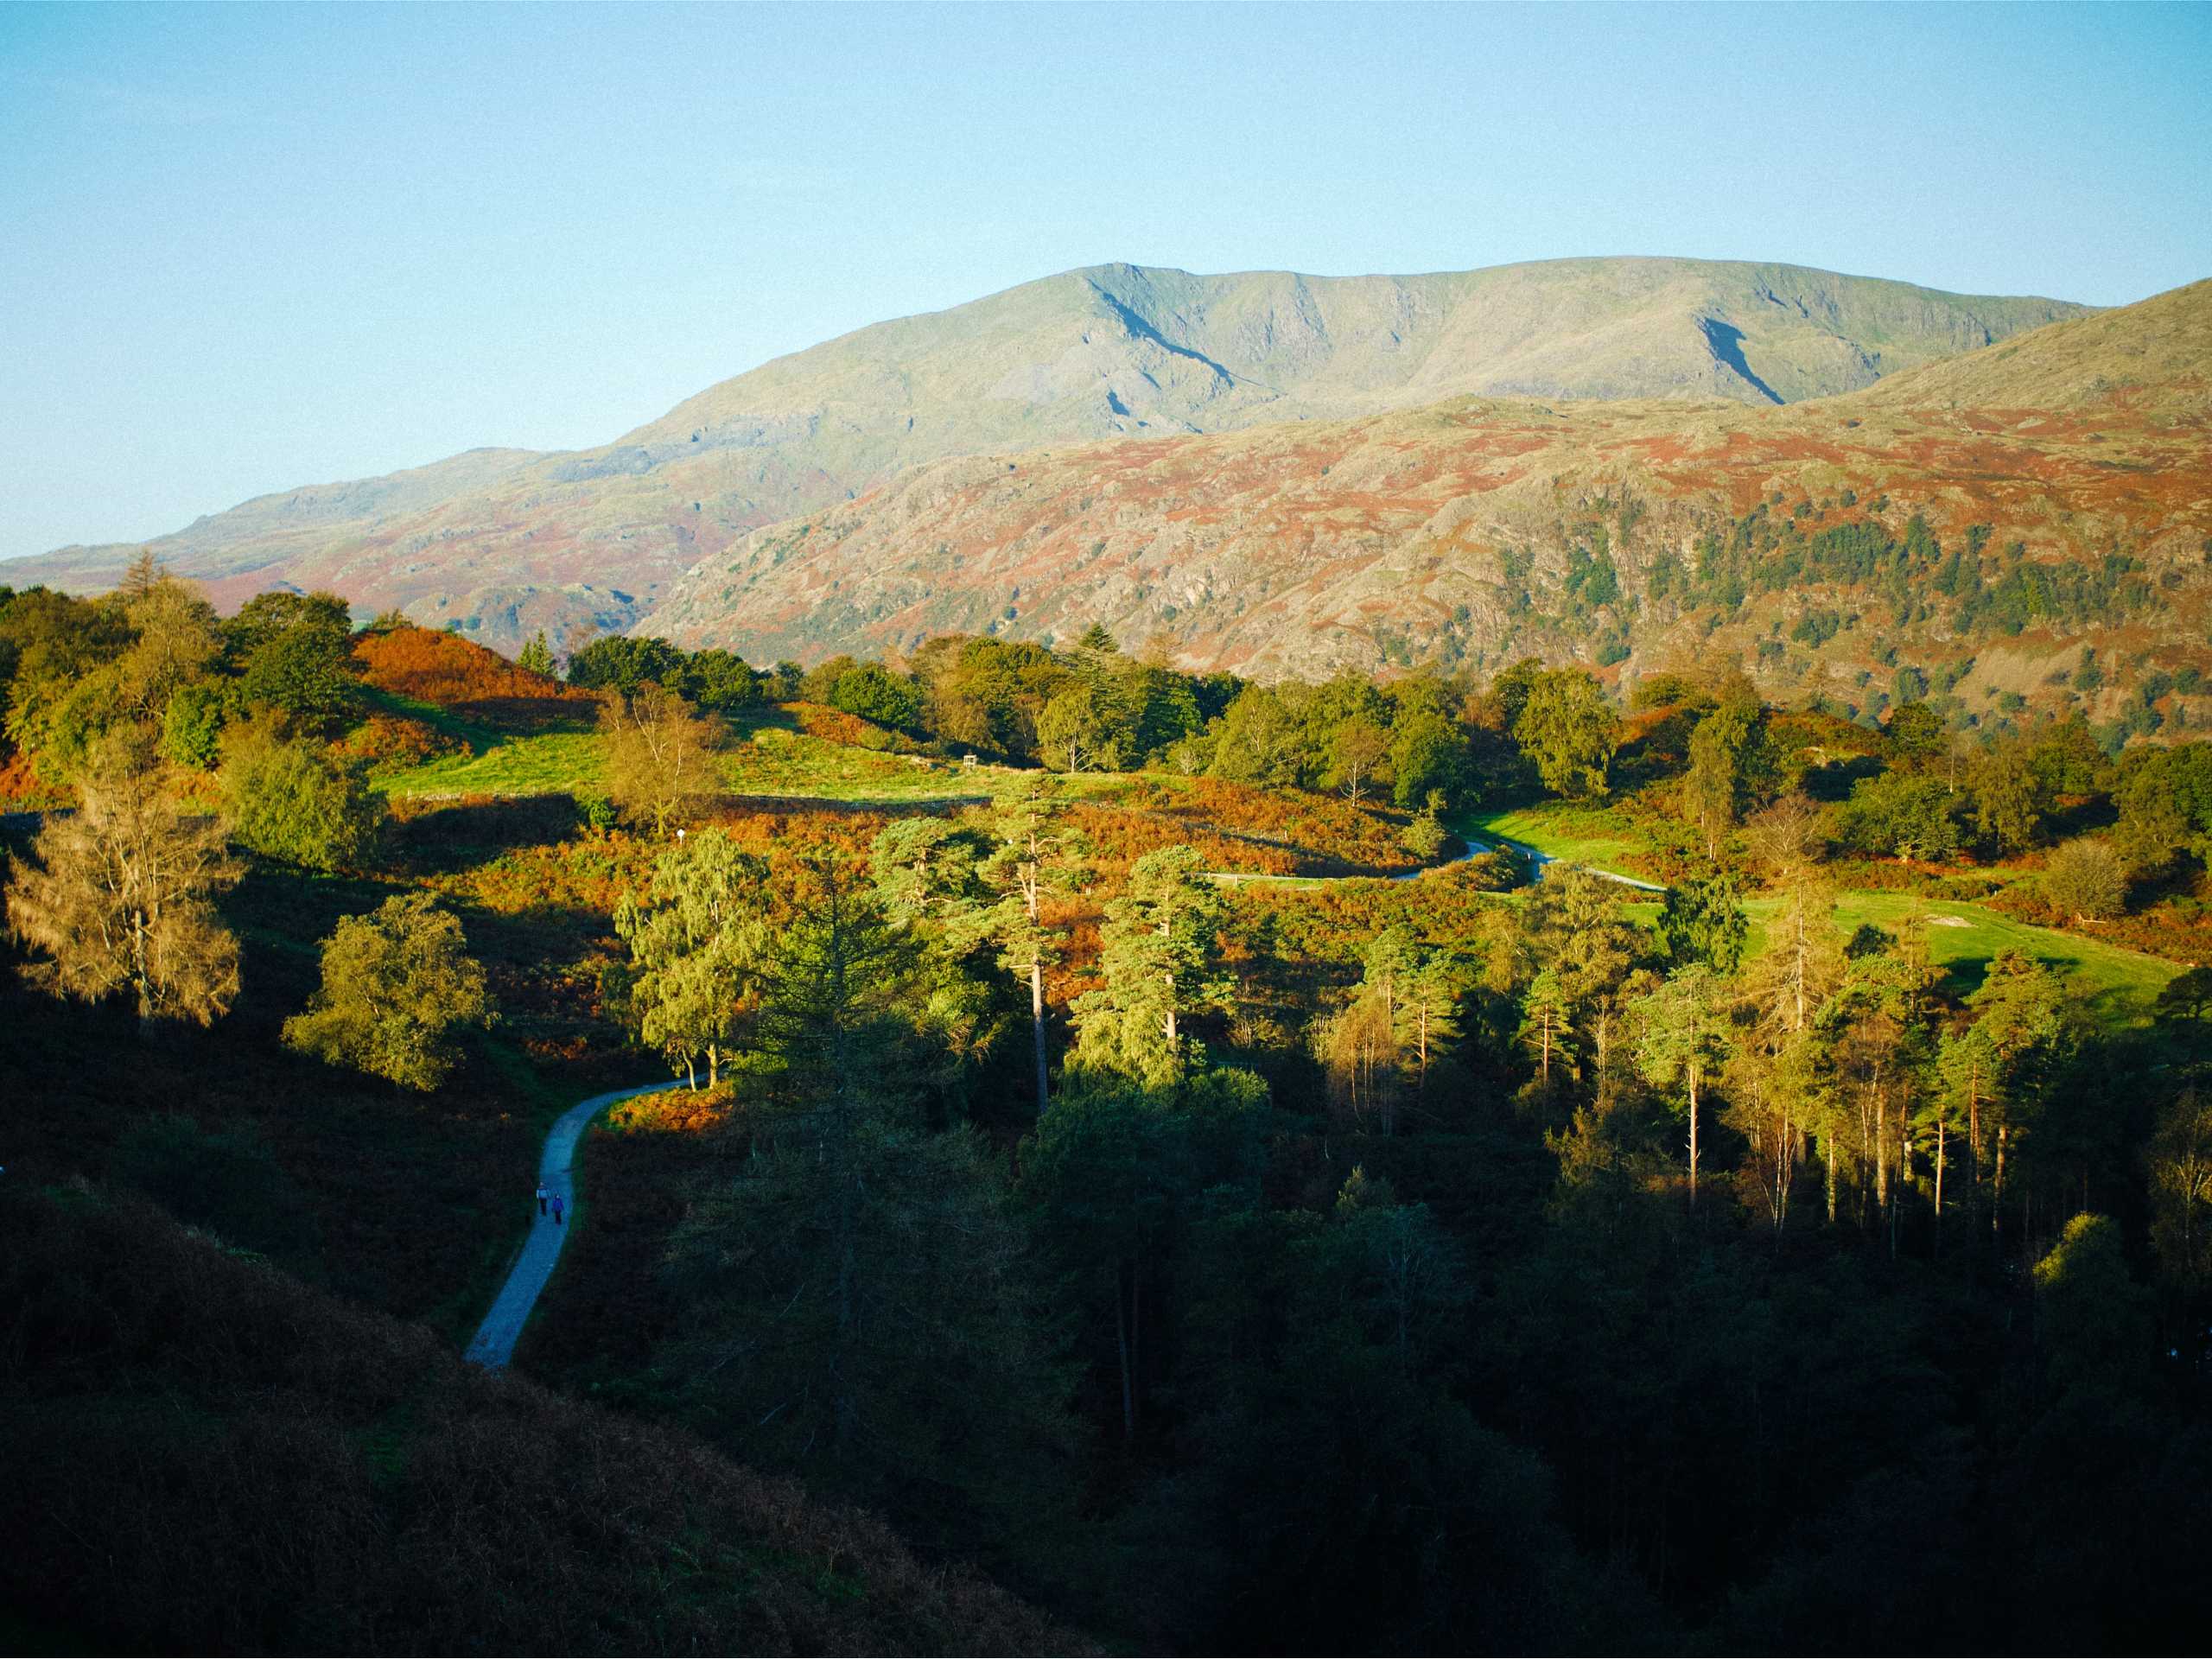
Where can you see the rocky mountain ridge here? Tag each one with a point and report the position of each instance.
(505, 543)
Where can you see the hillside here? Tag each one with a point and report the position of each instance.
(507, 542)
(223, 1460)
(1476, 530)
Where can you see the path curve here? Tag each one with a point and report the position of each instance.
(493, 1343)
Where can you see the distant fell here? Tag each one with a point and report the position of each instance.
(1845, 548)
(504, 543)
(2154, 358)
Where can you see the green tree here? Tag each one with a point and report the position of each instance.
(398, 984)
(1034, 859)
(1159, 952)
(536, 656)
(294, 798)
(192, 726)
(1083, 728)
(860, 1306)
(177, 639)
(1685, 1035)
(1732, 764)
(1568, 729)
(1915, 736)
(1359, 757)
(873, 692)
(2085, 879)
(695, 938)
(659, 755)
(1902, 814)
(1703, 920)
(2180, 1160)
(302, 672)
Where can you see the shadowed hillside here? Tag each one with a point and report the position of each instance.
(208, 1457)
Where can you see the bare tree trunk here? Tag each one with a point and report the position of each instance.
(1037, 1026)
(1692, 1076)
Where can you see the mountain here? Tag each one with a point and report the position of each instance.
(1975, 519)
(506, 542)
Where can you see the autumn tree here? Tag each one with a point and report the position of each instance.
(117, 894)
(397, 985)
(659, 755)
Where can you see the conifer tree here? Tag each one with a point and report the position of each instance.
(1159, 950)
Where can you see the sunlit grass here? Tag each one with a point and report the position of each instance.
(1573, 835)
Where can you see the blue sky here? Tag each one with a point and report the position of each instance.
(247, 247)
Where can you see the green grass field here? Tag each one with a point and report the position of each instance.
(2120, 985)
(1575, 834)
(550, 763)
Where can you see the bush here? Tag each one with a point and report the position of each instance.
(394, 743)
(2086, 879)
(294, 798)
(397, 984)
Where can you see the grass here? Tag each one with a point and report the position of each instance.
(1575, 835)
(2120, 985)
(769, 760)
(549, 763)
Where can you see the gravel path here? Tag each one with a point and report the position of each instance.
(494, 1342)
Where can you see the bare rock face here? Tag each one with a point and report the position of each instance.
(496, 540)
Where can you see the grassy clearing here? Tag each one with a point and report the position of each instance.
(550, 763)
(1575, 835)
(775, 761)
(2120, 985)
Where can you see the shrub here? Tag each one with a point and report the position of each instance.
(293, 798)
(2086, 879)
(394, 742)
(396, 985)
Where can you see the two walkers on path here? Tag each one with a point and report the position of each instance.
(547, 1196)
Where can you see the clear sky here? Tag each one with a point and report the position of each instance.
(248, 248)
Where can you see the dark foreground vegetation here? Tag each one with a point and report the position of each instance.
(1457, 1264)
(211, 1458)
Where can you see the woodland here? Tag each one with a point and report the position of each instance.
(1547, 1161)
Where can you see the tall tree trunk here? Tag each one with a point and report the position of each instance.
(1037, 1026)
(1941, 1140)
(1693, 1076)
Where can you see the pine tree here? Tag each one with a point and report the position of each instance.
(1159, 950)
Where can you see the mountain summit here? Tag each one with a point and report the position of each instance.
(508, 542)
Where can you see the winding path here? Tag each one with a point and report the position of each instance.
(493, 1343)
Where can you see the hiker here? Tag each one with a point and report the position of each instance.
(556, 1208)
(541, 1196)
